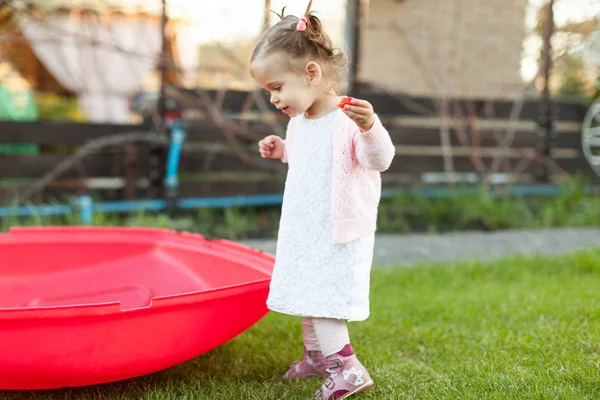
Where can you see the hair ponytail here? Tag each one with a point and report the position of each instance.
(308, 7)
(301, 38)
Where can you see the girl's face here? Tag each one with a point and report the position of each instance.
(293, 92)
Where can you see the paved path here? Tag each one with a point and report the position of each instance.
(394, 250)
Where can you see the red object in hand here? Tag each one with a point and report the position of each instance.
(345, 100)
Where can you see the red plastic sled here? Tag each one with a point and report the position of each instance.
(83, 306)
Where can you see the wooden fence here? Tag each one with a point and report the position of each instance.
(221, 159)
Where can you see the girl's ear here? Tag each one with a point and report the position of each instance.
(314, 72)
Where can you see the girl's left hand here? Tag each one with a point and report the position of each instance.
(361, 112)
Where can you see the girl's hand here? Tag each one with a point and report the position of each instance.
(271, 147)
(360, 111)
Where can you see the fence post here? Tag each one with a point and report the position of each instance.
(86, 211)
(178, 135)
(546, 118)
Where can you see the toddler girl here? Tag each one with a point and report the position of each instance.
(335, 153)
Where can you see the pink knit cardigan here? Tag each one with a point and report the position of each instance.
(358, 159)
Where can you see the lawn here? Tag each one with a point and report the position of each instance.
(513, 329)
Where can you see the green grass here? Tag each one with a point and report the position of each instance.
(512, 329)
(576, 205)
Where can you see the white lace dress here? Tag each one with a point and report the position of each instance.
(312, 275)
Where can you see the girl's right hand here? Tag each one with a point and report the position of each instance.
(271, 147)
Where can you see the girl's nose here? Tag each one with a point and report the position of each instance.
(274, 99)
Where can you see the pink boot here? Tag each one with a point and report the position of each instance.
(347, 376)
(312, 364)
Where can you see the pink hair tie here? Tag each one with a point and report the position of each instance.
(302, 24)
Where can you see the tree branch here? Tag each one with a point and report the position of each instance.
(83, 151)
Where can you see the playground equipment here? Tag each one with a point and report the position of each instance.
(83, 306)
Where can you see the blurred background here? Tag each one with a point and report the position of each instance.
(143, 112)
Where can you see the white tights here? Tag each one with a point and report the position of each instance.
(325, 334)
